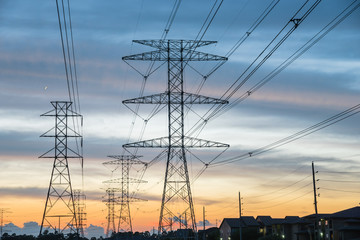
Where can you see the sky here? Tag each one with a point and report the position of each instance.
(322, 82)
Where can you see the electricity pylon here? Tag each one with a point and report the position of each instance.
(59, 213)
(2, 213)
(79, 202)
(110, 202)
(125, 161)
(176, 198)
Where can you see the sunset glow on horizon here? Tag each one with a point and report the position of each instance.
(276, 181)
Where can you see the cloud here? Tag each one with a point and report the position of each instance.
(30, 192)
(33, 228)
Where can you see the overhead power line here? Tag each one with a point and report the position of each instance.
(272, 46)
(314, 128)
(316, 38)
(145, 76)
(68, 50)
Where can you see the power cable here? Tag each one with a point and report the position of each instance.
(150, 71)
(236, 85)
(314, 128)
(317, 37)
(68, 51)
(282, 195)
(310, 43)
(339, 181)
(340, 190)
(283, 188)
(286, 202)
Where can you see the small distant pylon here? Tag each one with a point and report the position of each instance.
(3, 211)
(110, 202)
(80, 207)
(125, 161)
(59, 213)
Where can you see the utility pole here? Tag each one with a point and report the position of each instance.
(204, 217)
(315, 204)
(204, 237)
(177, 195)
(240, 227)
(60, 199)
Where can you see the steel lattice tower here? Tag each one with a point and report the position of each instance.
(59, 213)
(110, 202)
(79, 202)
(125, 161)
(177, 205)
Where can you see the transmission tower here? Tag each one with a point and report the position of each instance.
(110, 202)
(2, 213)
(79, 202)
(59, 213)
(125, 161)
(177, 205)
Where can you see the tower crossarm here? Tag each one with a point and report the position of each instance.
(124, 162)
(163, 98)
(119, 180)
(130, 199)
(163, 142)
(164, 44)
(188, 55)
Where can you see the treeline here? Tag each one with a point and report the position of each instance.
(172, 235)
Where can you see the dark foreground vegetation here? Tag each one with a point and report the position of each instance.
(173, 235)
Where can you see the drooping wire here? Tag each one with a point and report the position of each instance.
(252, 28)
(339, 190)
(237, 84)
(283, 188)
(63, 51)
(310, 43)
(314, 128)
(287, 201)
(68, 50)
(317, 37)
(244, 37)
(150, 71)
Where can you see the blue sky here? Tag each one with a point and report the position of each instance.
(322, 82)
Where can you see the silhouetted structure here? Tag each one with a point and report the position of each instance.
(125, 161)
(177, 208)
(59, 213)
(79, 201)
(110, 202)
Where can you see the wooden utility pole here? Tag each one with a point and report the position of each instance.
(204, 237)
(316, 235)
(240, 228)
(204, 217)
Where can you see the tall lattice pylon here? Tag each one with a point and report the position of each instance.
(59, 213)
(80, 207)
(177, 210)
(110, 201)
(125, 162)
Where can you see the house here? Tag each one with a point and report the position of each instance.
(212, 233)
(265, 223)
(230, 228)
(286, 228)
(342, 225)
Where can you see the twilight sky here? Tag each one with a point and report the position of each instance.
(321, 83)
